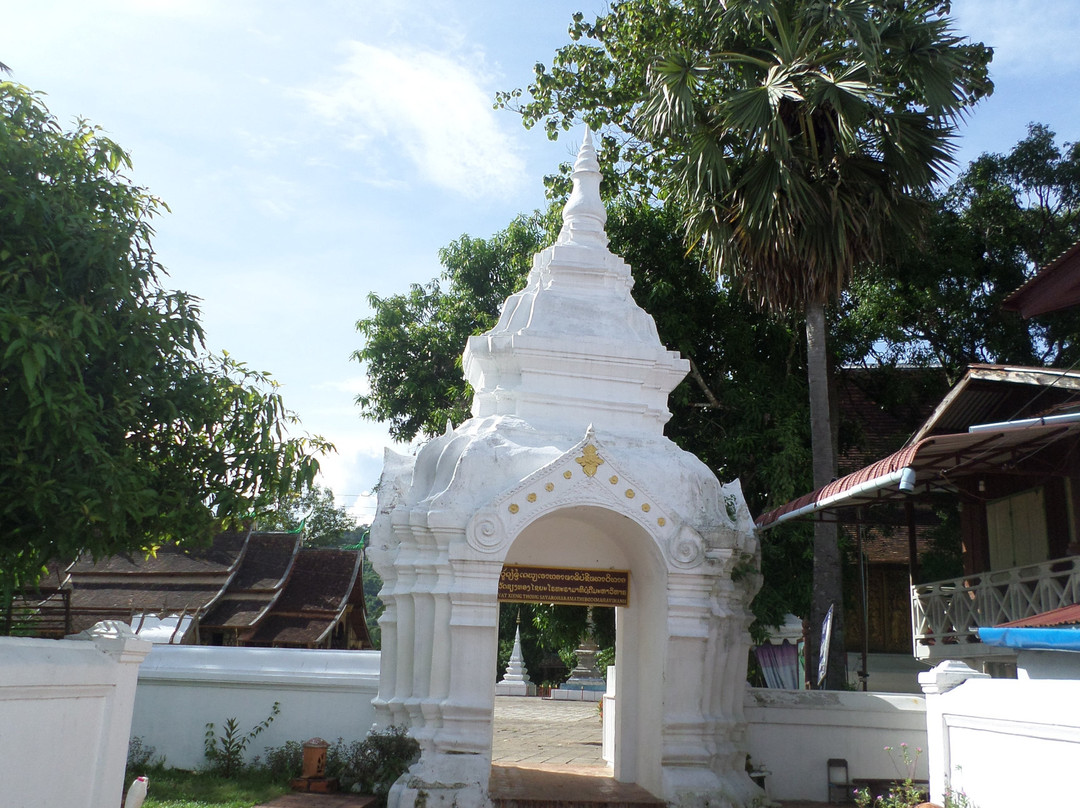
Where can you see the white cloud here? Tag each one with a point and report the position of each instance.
(354, 385)
(353, 470)
(433, 109)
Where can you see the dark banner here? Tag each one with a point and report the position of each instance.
(566, 586)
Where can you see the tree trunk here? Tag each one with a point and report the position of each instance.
(828, 581)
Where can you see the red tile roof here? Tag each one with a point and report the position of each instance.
(218, 558)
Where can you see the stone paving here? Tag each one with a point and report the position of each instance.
(531, 731)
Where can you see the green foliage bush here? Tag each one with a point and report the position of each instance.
(225, 753)
(140, 755)
(376, 762)
(369, 766)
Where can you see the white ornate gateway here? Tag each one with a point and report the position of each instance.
(564, 464)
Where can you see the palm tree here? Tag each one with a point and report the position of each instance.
(805, 132)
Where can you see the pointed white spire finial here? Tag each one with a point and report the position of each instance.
(584, 216)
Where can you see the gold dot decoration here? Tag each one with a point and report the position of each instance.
(630, 493)
(531, 497)
(568, 474)
(513, 507)
(661, 521)
(613, 479)
(549, 487)
(645, 507)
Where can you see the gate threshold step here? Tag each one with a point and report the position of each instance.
(547, 786)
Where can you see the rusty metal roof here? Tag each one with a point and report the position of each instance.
(937, 463)
(995, 393)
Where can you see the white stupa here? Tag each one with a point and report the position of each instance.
(564, 464)
(515, 681)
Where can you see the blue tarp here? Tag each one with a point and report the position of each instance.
(1033, 639)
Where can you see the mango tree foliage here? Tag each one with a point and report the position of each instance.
(118, 432)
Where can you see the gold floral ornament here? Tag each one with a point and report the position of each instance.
(630, 493)
(513, 507)
(614, 479)
(646, 507)
(531, 497)
(661, 521)
(549, 487)
(590, 461)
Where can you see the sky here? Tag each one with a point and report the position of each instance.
(314, 153)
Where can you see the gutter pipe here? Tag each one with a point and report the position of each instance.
(900, 476)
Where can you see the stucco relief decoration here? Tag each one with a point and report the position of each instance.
(590, 461)
(486, 532)
(556, 486)
(686, 548)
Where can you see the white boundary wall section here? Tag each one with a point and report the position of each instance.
(1002, 742)
(65, 712)
(792, 734)
(324, 694)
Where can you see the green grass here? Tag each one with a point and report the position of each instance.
(175, 788)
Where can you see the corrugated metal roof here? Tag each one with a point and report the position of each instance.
(991, 393)
(937, 463)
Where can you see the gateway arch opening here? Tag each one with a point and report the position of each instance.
(594, 556)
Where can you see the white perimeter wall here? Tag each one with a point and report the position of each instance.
(65, 711)
(324, 694)
(793, 733)
(1007, 742)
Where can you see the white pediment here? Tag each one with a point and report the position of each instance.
(587, 474)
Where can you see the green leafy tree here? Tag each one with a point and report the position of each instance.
(413, 342)
(796, 136)
(312, 509)
(940, 304)
(118, 432)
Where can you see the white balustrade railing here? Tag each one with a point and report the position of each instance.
(946, 613)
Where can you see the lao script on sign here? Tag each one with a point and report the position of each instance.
(563, 585)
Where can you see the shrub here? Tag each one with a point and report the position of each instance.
(376, 762)
(285, 762)
(140, 755)
(225, 753)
